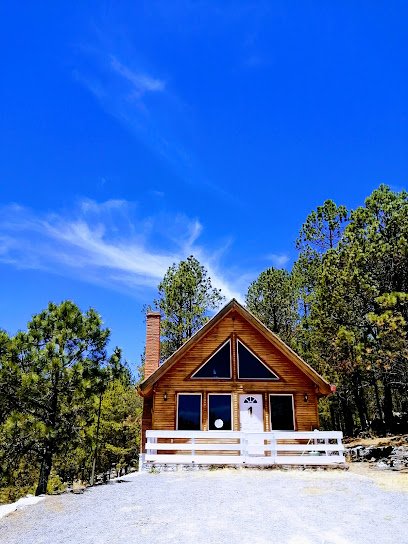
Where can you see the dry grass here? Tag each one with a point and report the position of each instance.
(377, 441)
(387, 479)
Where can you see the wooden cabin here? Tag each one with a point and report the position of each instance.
(233, 379)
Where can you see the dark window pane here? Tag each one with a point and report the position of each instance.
(281, 413)
(250, 366)
(219, 413)
(189, 413)
(218, 366)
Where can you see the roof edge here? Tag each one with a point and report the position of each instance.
(282, 346)
(324, 386)
(150, 380)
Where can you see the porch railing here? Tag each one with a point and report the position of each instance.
(242, 448)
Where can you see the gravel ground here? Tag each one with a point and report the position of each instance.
(224, 506)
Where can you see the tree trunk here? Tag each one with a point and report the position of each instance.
(388, 406)
(97, 442)
(359, 399)
(46, 464)
(333, 418)
(378, 403)
(348, 418)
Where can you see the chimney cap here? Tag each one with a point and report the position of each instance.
(151, 313)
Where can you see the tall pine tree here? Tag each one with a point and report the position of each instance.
(49, 378)
(186, 296)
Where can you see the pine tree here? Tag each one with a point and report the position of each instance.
(272, 297)
(360, 312)
(186, 296)
(50, 376)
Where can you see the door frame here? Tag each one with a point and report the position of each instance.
(263, 408)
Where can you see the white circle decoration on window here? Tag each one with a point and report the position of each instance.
(250, 400)
(219, 423)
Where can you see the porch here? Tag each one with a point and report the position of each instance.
(303, 448)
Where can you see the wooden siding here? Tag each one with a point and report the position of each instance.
(177, 379)
(147, 420)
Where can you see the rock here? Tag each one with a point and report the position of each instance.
(356, 453)
(369, 453)
(382, 465)
(386, 457)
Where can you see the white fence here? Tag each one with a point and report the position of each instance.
(240, 448)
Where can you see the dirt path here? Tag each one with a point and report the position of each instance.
(221, 507)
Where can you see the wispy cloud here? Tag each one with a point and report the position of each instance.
(108, 243)
(141, 83)
(146, 105)
(278, 261)
(160, 194)
(122, 90)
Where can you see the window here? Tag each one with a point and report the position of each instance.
(250, 367)
(219, 412)
(188, 412)
(250, 400)
(282, 413)
(218, 365)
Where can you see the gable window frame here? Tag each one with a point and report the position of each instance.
(293, 410)
(201, 408)
(194, 377)
(256, 357)
(231, 409)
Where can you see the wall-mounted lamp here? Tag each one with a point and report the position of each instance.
(305, 397)
(165, 396)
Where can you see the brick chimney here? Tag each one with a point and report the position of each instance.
(152, 343)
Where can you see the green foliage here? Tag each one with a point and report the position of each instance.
(141, 367)
(272, 297)
(323, 228)
(321, 232)
(359, 312)
(51, 379)
(185, 297)
(120, 426)
(55, 483)
(18, 480)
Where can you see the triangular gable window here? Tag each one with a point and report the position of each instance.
(250, 367)
(218, 365)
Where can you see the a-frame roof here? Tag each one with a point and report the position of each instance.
(324, 387)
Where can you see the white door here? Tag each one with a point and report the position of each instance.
(251, 420)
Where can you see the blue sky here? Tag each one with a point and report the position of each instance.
(134, 134)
